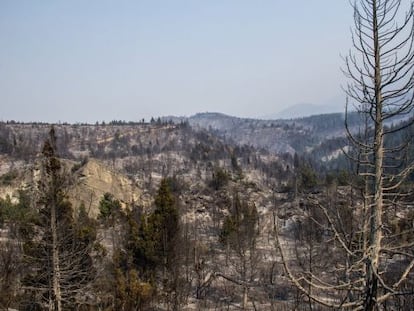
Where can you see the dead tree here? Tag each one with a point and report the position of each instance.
(57, 257)
(238, 235)
(380, 69)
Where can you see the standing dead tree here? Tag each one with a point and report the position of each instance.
(239, 235)
(57, 257)
(377, 263)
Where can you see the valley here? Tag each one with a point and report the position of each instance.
(239, 188)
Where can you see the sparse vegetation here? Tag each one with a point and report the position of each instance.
(181, 218)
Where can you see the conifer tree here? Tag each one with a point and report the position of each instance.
(154, 245)
(58, 257)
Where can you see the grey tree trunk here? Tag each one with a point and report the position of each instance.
(375, 221)
(381, 88)
(57, 299)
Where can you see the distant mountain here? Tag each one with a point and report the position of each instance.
(306, 110)
(280, 136)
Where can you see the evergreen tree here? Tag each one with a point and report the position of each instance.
(159, 232)
(109, 208)
(132, 291)
(154, 246)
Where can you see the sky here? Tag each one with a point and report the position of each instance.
(100, 60)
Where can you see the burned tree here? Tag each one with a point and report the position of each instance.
(377, 263)
(56, 254)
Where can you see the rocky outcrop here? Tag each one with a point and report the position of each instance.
(94, 180)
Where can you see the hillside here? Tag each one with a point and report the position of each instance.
(231, 192)
(279, 136)
(131, 158)
(129, 162)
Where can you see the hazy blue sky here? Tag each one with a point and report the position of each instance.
(89, 60)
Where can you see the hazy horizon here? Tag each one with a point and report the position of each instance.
(88, 61)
